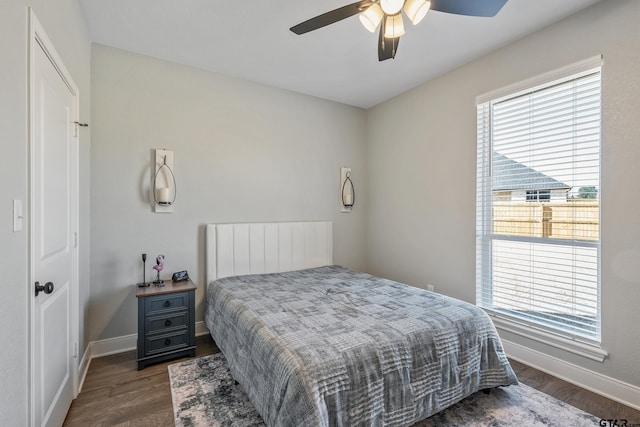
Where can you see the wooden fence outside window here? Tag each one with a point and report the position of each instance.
(577, 219)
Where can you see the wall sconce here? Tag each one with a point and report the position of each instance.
(347, 191)
(164, 187)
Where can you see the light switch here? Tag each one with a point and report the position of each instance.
(17, 215)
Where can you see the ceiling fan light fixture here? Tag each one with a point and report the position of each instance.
(394, 26)
(391, 7)
(416, 10)
(389, 13)
(371, 17)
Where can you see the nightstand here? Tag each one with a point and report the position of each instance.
(166, 322)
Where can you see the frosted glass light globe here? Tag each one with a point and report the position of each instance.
(391, 7)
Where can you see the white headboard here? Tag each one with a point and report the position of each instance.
(255, 248)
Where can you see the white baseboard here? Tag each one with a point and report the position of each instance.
(201, 329)
(127, 343)
(114, 346)
(611, 388)
(84, 367)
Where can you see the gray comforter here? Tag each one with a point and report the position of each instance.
(330, 346)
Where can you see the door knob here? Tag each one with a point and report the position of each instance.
(47, 288)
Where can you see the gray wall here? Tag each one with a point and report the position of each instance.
(63, 22)
(421, 205)
(243, 152)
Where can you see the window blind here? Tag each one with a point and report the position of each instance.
(538, 206)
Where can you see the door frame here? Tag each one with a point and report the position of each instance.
(39, 39)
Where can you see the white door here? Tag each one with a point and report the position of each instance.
(53, 227)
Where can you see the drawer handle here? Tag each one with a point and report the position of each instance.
(167, 303)
(167, 341)
(167, 322)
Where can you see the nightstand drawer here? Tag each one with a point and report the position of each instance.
(160, 303)
(166, 342)
(167, 322)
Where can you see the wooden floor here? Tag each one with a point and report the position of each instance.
(115, 393)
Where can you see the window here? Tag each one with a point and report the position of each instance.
(538, 206)
(538, 195)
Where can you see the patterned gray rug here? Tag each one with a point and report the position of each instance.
(205, 394)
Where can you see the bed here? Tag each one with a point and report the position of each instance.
(316, 344)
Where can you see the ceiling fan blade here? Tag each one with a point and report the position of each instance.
(387, 48)
(331, 17)
(486, 8)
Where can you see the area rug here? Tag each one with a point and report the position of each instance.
(205, 394)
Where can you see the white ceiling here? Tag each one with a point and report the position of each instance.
(251, 40)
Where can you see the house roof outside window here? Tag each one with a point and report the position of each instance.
(507, 174)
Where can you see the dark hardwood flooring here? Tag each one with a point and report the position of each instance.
(115, 393)
(586, 400)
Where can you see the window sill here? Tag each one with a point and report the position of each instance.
(589, 350)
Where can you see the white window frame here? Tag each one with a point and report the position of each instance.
(563, 340)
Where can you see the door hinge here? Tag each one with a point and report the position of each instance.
(75, 239)
(76, 126)
(75, 349)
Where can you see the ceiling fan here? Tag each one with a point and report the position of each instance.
(388, 13)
